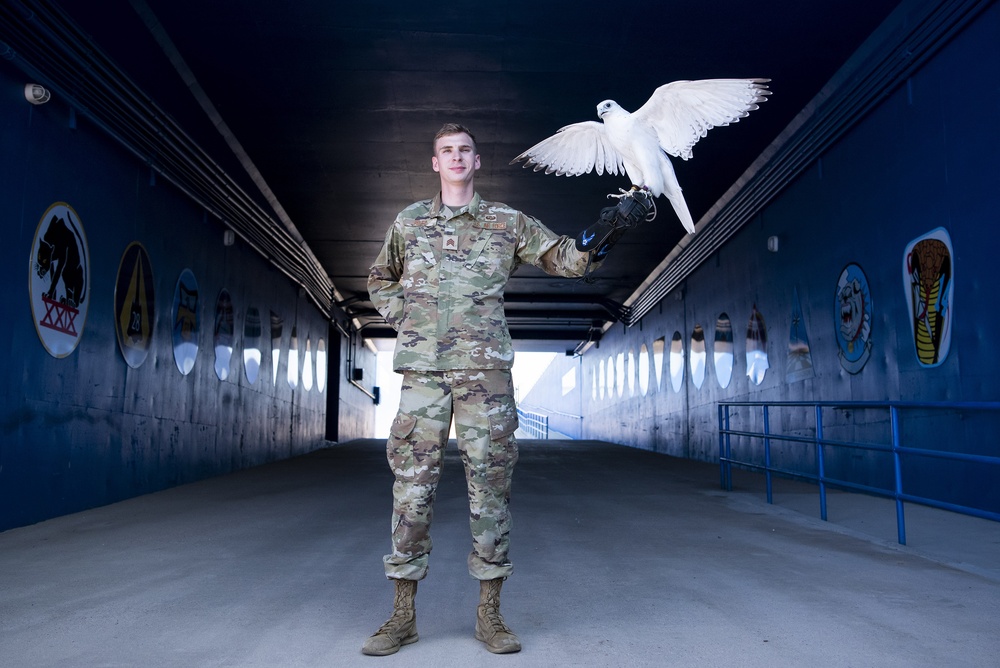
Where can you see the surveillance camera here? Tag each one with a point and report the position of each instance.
(36, 94)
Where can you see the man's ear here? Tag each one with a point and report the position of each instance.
(477, 165)
(436, 166)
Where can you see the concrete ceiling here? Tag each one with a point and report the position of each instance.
(335, 104)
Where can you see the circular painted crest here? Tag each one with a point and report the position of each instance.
(853, 314)
(185, 322)
(59, 279)
(135, 304)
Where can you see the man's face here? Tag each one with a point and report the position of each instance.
(455, 158)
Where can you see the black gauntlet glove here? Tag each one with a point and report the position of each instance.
(634, 207)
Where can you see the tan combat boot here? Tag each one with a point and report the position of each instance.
(401, 628)
(490, 627)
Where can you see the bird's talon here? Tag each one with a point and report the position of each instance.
(623, 193)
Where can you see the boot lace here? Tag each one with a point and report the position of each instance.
(401, 613)
(394, 623)
(491, 611)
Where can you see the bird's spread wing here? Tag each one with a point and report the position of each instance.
(574, 150)
(683, 112)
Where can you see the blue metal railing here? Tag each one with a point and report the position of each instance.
(534, 424)
(820, 444)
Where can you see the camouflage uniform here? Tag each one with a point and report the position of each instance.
(439, 281)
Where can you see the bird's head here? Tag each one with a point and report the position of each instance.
(607, 107)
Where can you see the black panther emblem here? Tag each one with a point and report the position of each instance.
(59, 257)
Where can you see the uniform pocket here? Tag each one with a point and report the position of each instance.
(503, 424)
(403, 425)
(475, 253)
(503, 449)
(399, 449)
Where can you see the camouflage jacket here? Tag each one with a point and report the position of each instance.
(440, 276)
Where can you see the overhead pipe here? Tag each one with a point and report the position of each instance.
(823, 122)
(105, 95)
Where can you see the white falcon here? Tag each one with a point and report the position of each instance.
(672, 121)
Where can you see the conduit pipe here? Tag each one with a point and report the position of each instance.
(910, 36)
(45, 43)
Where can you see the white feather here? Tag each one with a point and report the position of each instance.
(574, 150)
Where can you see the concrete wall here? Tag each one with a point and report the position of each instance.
(355, 408)
(924, 158)
(86, 429)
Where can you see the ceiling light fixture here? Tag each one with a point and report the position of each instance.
(36, 94)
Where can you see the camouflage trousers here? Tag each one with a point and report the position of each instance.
(482, 402)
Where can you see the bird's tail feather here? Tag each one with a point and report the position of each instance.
(681, 209)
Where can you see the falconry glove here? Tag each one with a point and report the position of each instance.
(634, 206)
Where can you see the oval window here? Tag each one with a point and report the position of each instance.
(631, 373)
(620, 374)
(756, 347)
(251, 344)
(224, 334)
(186, 321)
(643, 370)
(722, 352)
(321, 365)
(611, 377)
(659, 346)
(676, 361)
(307, 367)
(698, 356)
(601, 384)
(292, 369)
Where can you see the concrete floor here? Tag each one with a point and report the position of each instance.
(622, 558)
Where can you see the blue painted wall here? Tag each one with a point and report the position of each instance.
(926, 157)
(87, 430)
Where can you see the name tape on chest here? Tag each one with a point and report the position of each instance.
(490, 222)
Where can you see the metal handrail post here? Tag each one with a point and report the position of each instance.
(897, 464)
(767, 453)
(722, 450)
(896, 448)
(729, 455)
(820, 468)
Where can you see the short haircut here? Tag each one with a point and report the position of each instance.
(453, 129)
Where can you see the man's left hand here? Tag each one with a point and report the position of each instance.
(634, 207)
